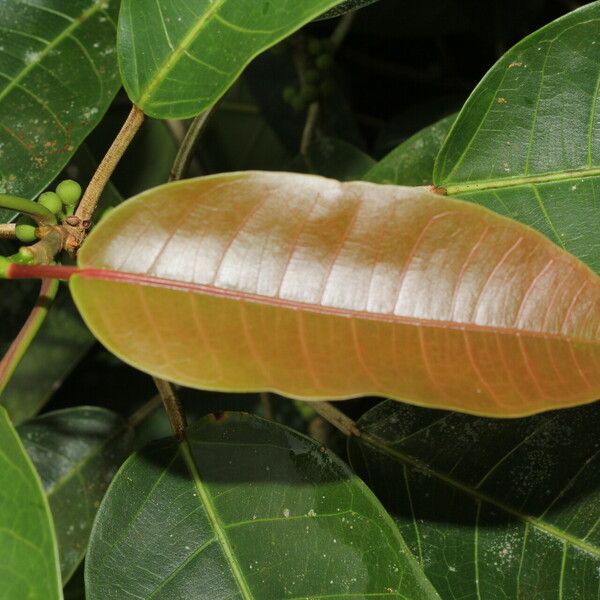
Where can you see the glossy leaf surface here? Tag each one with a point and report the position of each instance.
(491, 509)
(245, 509)
(178, 58)
(412, 162)
(527, 142)
(58, 74)
(318, 289)
(76, 452)
(28, 554)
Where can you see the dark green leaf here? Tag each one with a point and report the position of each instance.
(527, 142)
(245, 509)
(412, 162)
(58, 74)
(28, 553)
(490, 508)
(239, 138)
(76, 452)
(178, 58)
(338, 159)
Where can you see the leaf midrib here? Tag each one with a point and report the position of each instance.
(479, 496)
(77, 22)
(179, 50)
(511, 182)
(277, 302)
(215, 521)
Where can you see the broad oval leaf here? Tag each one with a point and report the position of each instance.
(491, 509)
(58, 75)
(76, 452)
(245, 508)
(178, 58)
(28, 554)
(319, 289)
(527, 142)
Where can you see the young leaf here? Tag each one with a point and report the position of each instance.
(248, 509)
(491, 509)
(318, 289)
(58, 74)
(28, 553)
(412, 162)
(527, 142)
(179, 58)
(76, 452)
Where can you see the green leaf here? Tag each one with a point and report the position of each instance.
(76, 452)
(245, 509)
(412, 162)
(338, 159)
(58, 75)
(178, 58)
(28, 553)
(527, 142)
(238, 137)
(491, 509)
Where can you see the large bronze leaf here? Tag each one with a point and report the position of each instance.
(318, 289)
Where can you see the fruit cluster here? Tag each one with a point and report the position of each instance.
(317, 81)
(61, 203)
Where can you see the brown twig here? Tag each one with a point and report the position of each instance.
(265, 401)
(7, 231)
(337, 418)
(51, 243)
(184, 155)
(172, 406)
(142, 413)
(81, 220)
(342, 30)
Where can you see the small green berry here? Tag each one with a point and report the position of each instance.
(4, 265)
(25, 230)
(312, 76)
(289, 92)
(51, 201)
(324, 62)
(69, 192)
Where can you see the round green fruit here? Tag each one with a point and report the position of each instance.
(289, 92)
(25, 230)
(51, 201)
(69, 192)
(324, 62)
